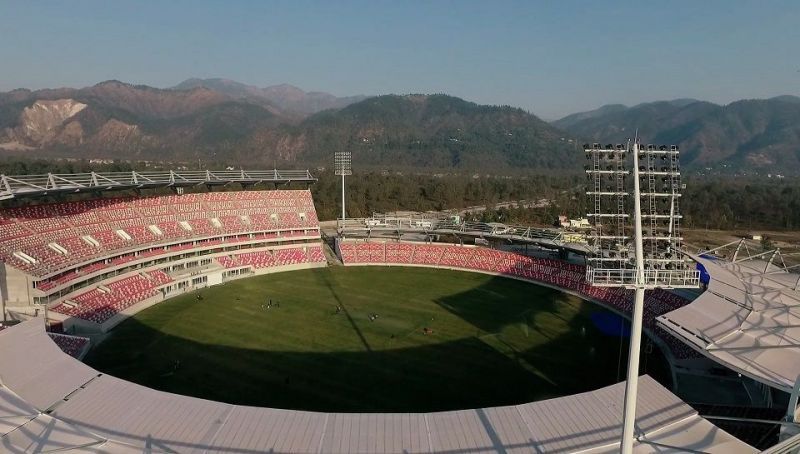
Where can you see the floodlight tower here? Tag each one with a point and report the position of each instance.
(656, 260)
(342, 165)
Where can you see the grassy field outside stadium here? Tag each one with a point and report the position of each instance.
(441, 340)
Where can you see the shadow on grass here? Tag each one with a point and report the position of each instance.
(325, 280)
(581, 353)
(496, 366)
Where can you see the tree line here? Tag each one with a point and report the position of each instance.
(725, 203)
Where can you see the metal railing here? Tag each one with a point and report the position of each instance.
(12, 186)
(626, 277)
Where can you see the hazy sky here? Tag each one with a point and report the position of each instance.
(552, 58)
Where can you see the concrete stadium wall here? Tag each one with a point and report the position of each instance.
(16, 287)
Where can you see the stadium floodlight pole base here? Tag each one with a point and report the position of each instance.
(632, 381)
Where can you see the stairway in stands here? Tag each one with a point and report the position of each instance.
(330, 254)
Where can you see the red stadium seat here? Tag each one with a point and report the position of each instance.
(53, 234)
(98, 305)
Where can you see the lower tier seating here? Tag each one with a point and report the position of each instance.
(108, 299)
(102, 303)
(71, 345)
(270, 258)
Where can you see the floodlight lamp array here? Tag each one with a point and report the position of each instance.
(613, 260)
(343, 163)
(607, 178)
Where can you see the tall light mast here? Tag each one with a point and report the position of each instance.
(655, 262)
(342, 165)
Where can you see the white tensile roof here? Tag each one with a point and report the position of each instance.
(748, 320)
(48, 400)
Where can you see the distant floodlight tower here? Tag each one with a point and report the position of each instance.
(342, 165)
(656, 261)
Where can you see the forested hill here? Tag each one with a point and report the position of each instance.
(122, 121)
(224, 123)
(749, 135)
(438, 131)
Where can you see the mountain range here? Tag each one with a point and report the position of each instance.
(227, 122)
(221, 121)
(746, 135)
(287, 99)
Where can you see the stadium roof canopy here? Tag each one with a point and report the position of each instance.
(50, 401)
(51, 183)
(748, 319)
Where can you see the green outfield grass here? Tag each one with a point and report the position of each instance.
(492, 341)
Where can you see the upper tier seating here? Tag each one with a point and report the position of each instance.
(62, 235)
(558, 273)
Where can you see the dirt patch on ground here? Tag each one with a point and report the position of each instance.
(14, 146)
